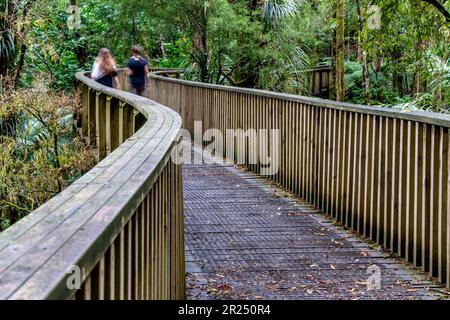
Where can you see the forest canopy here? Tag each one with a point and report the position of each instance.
(386, 52)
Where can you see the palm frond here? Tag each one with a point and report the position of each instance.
(275, 11)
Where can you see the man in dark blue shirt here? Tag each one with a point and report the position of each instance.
(137, 71)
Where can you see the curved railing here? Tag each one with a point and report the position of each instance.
(381, 172)
(117, 232)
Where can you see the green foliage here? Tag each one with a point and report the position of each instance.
(43, 156)
(275, 11)
(176, 54)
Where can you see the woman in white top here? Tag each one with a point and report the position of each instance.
(105, 70)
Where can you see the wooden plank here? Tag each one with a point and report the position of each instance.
(447, 280)
(337, 174)
(387, 173)
(418, 192)
(108, 125)
(329, 160)
(367, 158)
(101, 279)
(349, 179)
(129, 268)
(409, 197)
(87, 289)
(426, 197)
(373, 185)
(114, 131)
(344, 167)
(360, 227)
(434, 202)
(100, 125)
(394, 212)
(122, 266)
(320, 155)
(442, 205)
(402, 188)
(92, 131)
(380, 182)
(148, 244)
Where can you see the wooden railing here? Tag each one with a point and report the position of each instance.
(321, 81)
(381, 172)
(118, 230)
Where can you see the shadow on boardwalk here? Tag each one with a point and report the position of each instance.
(247, 239)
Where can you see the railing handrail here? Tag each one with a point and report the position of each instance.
(76, 226)
(428, 117)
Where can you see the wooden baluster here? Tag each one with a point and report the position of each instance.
(108, 125)
(92, 131)
(100, 124)
(85, 111)
(417, 195)
(442, 205)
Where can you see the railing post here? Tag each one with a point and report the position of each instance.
(125, 128)
(114, 120)
(112, 125)
(447, 227)
(133, 128)
(91, 117)
(121, 122)
(100, 116)
(84, 110)
(108, 125)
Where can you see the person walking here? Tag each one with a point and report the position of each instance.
(137, 71)
(105, 70)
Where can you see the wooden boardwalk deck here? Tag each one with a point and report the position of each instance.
(248, 239)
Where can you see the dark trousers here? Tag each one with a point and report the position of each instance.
(139, 90)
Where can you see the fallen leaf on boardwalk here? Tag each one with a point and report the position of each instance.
(225, 287)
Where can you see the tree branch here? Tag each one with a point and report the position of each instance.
(440, 7)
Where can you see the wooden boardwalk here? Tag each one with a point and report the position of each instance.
(248, 239)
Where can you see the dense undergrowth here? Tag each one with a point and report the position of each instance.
(41, 154)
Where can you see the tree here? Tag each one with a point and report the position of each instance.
(340, 47)
(362, 57)
(439, 5)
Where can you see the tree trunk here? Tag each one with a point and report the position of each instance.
(6, 28)
(362, 55)
(161, 45)
(81, 48)
(23, 47)
(419, 81)
(199, 26)
(340, 45)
